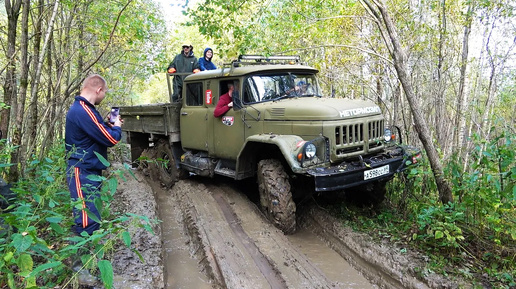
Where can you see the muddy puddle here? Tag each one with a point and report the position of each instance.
(181, 271)
(328, 261)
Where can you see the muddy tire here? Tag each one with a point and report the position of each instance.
(167, 171)
(276, 195)
(146, 162)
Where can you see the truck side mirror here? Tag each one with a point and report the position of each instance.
(237, 101)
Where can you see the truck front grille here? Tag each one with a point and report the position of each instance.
(358, 138)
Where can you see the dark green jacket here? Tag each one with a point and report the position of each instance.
(184, 63)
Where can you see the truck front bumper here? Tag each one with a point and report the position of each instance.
(365, 169)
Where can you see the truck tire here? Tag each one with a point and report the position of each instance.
(167, 171)
(145, 164)
(276, 195)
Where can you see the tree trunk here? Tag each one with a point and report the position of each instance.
(12, 10)
(440, 115)
(17, 157)
(460, 119)
(32, 121)
(445, 192)
(36, 48)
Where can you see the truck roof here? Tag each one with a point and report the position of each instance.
(249, 69)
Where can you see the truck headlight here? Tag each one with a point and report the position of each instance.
(310, 151)
(313, 152)
(388, 135)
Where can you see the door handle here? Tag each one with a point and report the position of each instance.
(184, 113)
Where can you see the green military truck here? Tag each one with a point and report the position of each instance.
(280, 131)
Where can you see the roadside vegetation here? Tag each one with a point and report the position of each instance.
(472, 239)
(36, 243)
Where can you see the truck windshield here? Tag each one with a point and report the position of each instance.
(260, 88)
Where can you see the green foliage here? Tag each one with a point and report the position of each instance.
(439, 228)
(36, 242)
(488, 187)
(131, 52)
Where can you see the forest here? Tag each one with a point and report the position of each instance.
(443, 71)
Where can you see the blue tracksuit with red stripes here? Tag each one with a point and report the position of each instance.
(85, 134)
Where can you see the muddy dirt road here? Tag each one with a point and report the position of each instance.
(214, 236)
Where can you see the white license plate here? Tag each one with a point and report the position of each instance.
(374, 173)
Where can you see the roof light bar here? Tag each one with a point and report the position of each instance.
(295, 58)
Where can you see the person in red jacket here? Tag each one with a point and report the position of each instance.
(225, 102)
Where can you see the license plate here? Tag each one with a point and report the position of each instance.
(374, 173)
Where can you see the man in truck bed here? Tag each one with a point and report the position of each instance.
(184, 62)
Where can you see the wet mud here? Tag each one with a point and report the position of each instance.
(212, 235)
(135, 196)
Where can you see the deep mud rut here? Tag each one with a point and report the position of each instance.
(213, 236)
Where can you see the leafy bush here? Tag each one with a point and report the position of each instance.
(37, 244)
(488, 188)
(439, 227)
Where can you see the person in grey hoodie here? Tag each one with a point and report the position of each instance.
(183, 62)
(205, 61)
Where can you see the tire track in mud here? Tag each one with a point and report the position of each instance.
(222, 254)
(261, 262)
(238, 247)
(383, 263)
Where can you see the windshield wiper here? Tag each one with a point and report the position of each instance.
(283, 96)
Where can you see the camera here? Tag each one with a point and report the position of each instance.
(113, 116)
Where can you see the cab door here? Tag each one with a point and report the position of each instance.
(228, 130)
(194, 118)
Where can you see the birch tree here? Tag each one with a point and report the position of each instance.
(388, 30)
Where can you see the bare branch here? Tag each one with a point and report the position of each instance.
(342, 45)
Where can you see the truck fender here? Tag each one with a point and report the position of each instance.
(288, 145)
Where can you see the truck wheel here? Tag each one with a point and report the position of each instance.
(145, 164)
(168, 173)
(276, 195)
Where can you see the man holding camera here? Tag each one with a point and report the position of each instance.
(86, 134)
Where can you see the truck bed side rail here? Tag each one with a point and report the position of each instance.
(161, 119)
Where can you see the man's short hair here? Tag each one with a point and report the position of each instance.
(94, 81)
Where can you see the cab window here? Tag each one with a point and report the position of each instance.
(194, 94)
(223, 86)
(268, 87)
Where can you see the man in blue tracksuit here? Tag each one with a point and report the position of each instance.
(87, 133)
